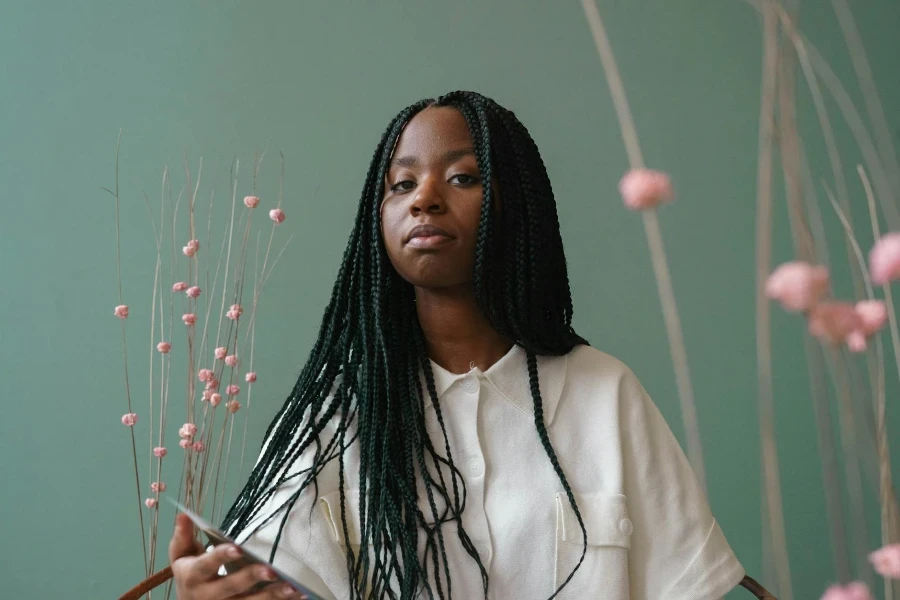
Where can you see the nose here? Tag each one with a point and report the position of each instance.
(427, 199)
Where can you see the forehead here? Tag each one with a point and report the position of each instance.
(434, 130)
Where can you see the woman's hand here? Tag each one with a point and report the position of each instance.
(197, 571)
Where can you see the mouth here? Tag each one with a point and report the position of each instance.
(427, 236)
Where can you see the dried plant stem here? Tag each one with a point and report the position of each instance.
(655, 242)
(137, 477)
(773, 502)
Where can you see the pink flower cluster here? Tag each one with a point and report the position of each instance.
(887, 561)
(643, 189)
(191, 248)
(187, 431)
(234, 312)
(121, 311)
(129, 419)
(158, 486)
(800, 287)
(250, 377)
(251, 201)
(277, 215)
(231, 360)
(851, 591)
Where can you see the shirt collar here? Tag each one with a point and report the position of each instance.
(509, 376)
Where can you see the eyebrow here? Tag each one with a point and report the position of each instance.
(449, 157)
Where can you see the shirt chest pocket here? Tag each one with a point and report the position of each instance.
(604, 572)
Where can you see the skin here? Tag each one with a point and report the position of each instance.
(433, 180)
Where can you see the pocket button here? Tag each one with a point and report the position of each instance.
(625, 526)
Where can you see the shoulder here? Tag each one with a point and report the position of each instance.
(597, 373)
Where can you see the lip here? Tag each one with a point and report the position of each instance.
(427, 236)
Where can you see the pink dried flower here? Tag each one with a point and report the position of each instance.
(179, 287)
(205, 374)
(121, 311)
(645, 188)
(834, 322)
(189, 319)
(873, 314)
(233, 406)
(188, 251)
(234, 312)
(160, 451)
(193, 291)
(797, 285)
(231, 360)
(220, 352)
(851, 591)
(150, 502)
(198, 446)
(187, 430)
(185, 443)
(158, 486)
(232, 390)
(887, 561)
(250, 377)
(215, 399)
(164, 347)
(129, 419)
(277, 215)
(212, 384)
(206, 395)
(251, 201)
(884, 259)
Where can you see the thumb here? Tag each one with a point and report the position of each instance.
(183, 543)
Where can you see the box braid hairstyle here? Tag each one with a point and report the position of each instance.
(366, 369)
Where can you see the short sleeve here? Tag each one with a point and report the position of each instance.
(678, 551)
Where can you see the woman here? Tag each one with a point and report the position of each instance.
(451, 435)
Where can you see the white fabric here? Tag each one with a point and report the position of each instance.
(650, 533)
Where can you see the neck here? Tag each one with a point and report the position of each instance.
(456, 333)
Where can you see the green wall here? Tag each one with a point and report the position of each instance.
(319, 80)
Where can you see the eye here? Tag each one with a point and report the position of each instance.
(464, 180)
(403, 186)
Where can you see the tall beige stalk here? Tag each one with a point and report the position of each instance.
(655, 242)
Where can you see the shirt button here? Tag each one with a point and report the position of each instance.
(470, 385)
(625, 526)
(476, 467)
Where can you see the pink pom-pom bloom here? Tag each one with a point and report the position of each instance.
(164, 347)
(193, 291)
(884, 259)
(206, 395)
(874, 315)
(160, 451)
(797, 285)
(215, 399)
(231, 360)
(835, 323)
(251, 201)
(198, 446)
(645, 188)
(158, 486)
(234, 312)
(179, 287)
(205, 374)
(191, 248)
(233, 406)
(851, 591)
(277, 215)
(232, 390)
(212, 384)
(121, 311)
(187, 430)
(250, 377)
(185, 443)
(887, 561)
(189, 319)
(150, 502)
(129, 419)
(220, 352)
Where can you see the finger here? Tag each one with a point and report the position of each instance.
(278, 591)
(241, 583)
(183, 543)
(206, 567)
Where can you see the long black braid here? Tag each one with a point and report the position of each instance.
(367, 364)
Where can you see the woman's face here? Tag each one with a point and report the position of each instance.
(432, 201)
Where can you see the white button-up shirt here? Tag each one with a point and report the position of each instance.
(650, 533)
